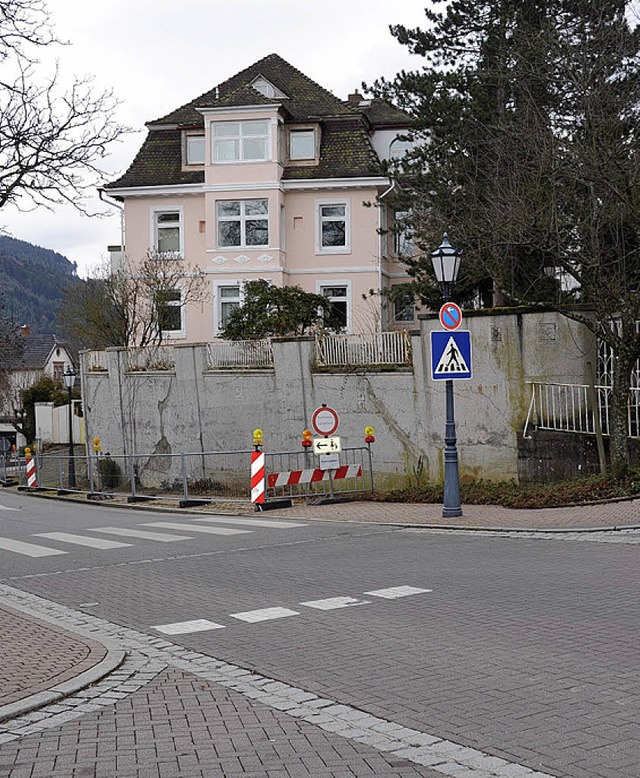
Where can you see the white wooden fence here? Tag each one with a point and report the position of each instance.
(239, 354)
(380, 348)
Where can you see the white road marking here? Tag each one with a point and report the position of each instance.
(6, 508)
(333, 603)
(81, 540)
(397, 591)
(265, 614)
(161, 537)
(193, 528)
(269, 523)
(185, 627)
(28, 549)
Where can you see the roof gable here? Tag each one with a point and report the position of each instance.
(305, 99)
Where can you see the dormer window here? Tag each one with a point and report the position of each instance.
(266, 88)
(302, 144)
(241, 141)
(194, 149)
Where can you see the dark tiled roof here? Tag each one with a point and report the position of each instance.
(36, 350)
(345, 152)
(159, 162)
(381, 114)
(304, 99)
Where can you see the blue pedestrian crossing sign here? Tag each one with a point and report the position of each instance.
(450, 355)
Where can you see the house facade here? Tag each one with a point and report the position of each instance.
(41, 355)
(269, 175)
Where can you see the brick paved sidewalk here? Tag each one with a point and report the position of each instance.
(610, 515)
(180, 725)
(37, 658)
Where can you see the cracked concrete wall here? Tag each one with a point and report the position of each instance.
(191, 409)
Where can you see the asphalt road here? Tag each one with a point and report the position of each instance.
(524, 646)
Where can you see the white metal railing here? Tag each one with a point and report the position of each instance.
(568, 408)
(243, 354)
(95, 362)
(150, 358)
(381, 348)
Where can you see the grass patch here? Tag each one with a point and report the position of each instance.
(511, 495)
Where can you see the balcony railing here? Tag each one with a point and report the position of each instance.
(380, 348)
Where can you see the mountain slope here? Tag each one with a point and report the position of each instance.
(31, 283)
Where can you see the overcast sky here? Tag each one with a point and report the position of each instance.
(157, 55)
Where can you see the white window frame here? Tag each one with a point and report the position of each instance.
(338, 201)
(320, 285)
(240, 138)
(242, 218)
(189, 136)
(180, 304)
(217, 301)
(154, 230)
(302, 131)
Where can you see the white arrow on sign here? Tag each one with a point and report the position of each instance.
(327, 445)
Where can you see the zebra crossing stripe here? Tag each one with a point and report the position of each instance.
(268, 523)
(194, 528)
(81, 540)
(160, 537)
(28, 549)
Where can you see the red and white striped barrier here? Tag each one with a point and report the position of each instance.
(292, 477)
(31, 472)
(257, 477)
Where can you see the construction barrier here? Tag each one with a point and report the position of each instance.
(313, 475)
(31, 471)
(257, 477)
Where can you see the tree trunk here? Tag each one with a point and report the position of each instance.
(619, 415)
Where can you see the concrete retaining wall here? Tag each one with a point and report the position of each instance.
(192, 409)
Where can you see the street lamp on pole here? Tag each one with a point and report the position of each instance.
(69, 376)
(446, 263)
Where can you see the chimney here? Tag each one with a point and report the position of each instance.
(25, 330)
(355, 97)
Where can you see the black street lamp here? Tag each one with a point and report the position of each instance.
(69, 376)
(446, 263)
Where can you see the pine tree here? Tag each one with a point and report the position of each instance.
(526, 118)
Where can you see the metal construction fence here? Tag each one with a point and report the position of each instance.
(193, 478)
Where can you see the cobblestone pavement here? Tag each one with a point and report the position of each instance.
(624, 513)
(169, 712)
(172, 712)
(37, 656)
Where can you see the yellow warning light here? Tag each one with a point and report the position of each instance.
(369, 431)
(27, 451)
(307, 434)
(96, 441)
(258, 433)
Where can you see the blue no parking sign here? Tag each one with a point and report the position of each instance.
(450, 355)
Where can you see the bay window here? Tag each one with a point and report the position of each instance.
(247, 141)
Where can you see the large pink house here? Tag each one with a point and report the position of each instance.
(271, 176)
